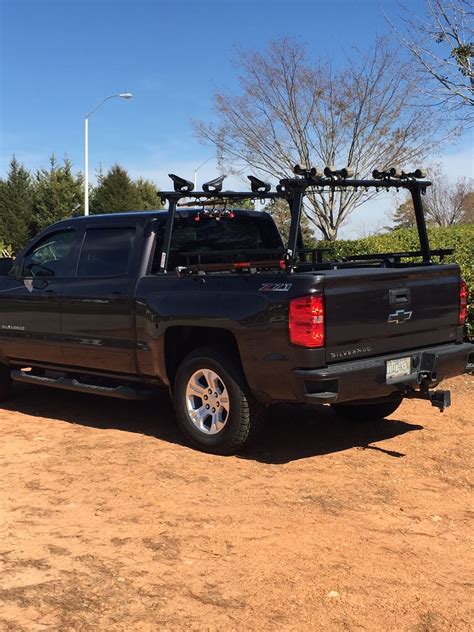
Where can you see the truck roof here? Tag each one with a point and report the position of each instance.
(183, 212)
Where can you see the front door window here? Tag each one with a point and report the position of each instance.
(49, 257)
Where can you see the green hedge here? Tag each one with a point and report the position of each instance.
(460, 238)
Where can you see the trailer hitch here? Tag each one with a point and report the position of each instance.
(426, 377)
(440, 399)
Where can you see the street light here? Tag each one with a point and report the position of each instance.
(196, 170)
(122, 95)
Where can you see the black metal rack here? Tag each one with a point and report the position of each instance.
(293, 190)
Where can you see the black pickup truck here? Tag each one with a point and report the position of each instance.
(208, 302)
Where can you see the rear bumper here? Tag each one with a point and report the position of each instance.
(366, 379)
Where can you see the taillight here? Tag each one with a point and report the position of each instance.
(462, 302)
(306, 322)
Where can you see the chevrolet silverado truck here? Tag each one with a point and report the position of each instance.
(206, 300)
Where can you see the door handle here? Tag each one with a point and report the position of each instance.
(400, 296)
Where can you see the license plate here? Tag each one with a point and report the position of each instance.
(398, 368)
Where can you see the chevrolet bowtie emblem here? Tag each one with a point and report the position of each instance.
(399, 317)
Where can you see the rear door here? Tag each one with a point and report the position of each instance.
(97, 303)
(30, 308)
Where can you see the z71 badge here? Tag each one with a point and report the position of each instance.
(275, 287)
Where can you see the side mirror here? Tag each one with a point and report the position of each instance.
(6, 265)
(16, 269)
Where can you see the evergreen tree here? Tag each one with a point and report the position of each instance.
(58, 194)
(148, 194)
(468, 208)
(116, 193)
(280, 211)
(404, 216)
(247, 203)
(16, 204)
(3, 185)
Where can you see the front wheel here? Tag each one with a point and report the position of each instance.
(366, 411)
(213, 406)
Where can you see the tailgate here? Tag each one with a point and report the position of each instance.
(375, 311)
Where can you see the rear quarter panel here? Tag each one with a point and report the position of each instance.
(243, 304)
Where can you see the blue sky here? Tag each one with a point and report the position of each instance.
(60, 57)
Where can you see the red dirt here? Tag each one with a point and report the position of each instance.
(108, 522)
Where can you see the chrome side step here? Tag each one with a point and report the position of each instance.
(69, 384)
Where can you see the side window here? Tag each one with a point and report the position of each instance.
(106, 252)
(49, 257)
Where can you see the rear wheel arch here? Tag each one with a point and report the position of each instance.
(180, 341)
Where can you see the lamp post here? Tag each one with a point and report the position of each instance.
(122, 95)
(196, 170)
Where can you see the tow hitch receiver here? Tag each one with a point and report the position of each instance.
(439, 399)
(426, 376)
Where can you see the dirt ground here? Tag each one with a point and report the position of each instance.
(109, 522)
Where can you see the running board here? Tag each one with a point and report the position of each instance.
(69, 384)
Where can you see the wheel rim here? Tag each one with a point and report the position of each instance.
(207, 401)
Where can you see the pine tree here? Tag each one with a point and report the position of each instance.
(404, 215)
(148, 194)
(116, 193)
(16, 205)
(247, 203)
(280, 211)
(468, 209)
(58, 194)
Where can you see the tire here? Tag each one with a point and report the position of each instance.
(6, 384)
(366, 412)
(237, 417)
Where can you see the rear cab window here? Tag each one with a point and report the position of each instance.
(190, 238)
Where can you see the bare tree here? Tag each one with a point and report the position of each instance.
(446, 202)
(289, 111)
(442, 45)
